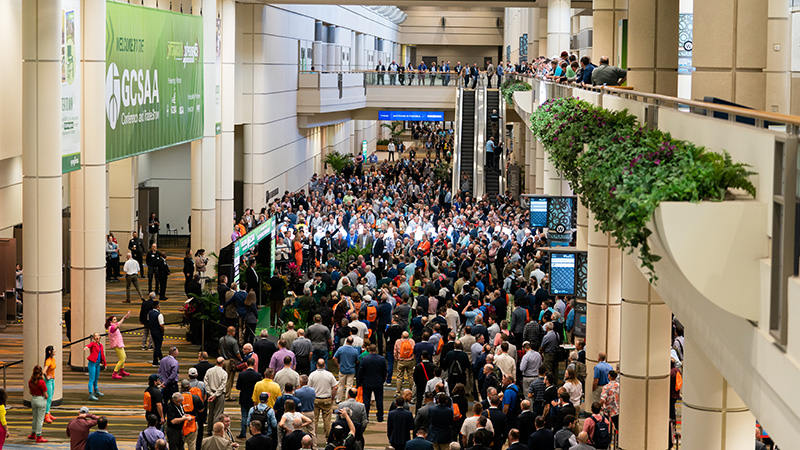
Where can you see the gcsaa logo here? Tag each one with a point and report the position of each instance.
(112, 95)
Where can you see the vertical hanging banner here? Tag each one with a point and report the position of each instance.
(218, 70)
(70, 86)
(154, 79)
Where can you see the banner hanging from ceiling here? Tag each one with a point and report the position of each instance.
(154, 79)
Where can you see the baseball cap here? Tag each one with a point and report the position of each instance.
(153, 377)
(84, 410)
(184, 384)
(264, 396)
(192, 372)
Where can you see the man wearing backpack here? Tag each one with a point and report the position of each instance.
(565, 438)
(404, 356)
(511, 399)
(148, 437)
(266, 415)
(153, 403)
(598, 428)
(457, 365)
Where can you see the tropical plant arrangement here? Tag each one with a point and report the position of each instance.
(443, 172)
(337, 161)
(622, 171)
(395, 128)
(510, 86)
(352, 253)
(204, 310)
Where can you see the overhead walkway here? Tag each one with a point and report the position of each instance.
(729, 272)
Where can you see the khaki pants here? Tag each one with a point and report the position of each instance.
(323, 408)
(346, 381)
(215, 409)
(404, 369)
(190, 440)
(311, 428)
(230, 368)
(445, 446)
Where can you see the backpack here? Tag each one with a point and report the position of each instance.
(456, 412)
(262, 415)
(147, 443)
(147, 402)
(456, 370)
(517, 408)
(439, 346)
(601, 438)
(406, 349)
(198, 392)
(490, 311)
(678, 381)
(372, 313)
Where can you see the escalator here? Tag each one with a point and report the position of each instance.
(493, 129)
(467, 139)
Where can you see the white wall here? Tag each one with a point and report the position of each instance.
(169, 169)
(476, 26)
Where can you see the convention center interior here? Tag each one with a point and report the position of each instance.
(391, 225)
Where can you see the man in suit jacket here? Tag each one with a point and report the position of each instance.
(513, 441)
(441, 417)
(399, 426)
(542, 438)
(372, 374)
(525, 421)
(101, 439)
(358, 413)
(378, 246)
(258, 441)
(380, 68)
(499, 421)
(252, 280)
(420, 442)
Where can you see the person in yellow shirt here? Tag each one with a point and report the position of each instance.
(269, 386)
(50, 380)
(3, 423)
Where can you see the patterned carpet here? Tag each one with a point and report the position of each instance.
(122, 403)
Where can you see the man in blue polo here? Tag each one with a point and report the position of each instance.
(346, 357)
(600, 376)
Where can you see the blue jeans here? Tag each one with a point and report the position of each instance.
(245, 419)
(390, 362)
(51, 389)
(94, 374)
(320, 354)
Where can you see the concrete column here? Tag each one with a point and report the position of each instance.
(552, 182)
(778, 76)
(41, 184)
(530, 161)
(543, 32)
(534, 47)
(714, 417)
(603, 298)
(606, 15)
(653, 46)
(558, 26)
(730, 37)
(225, 150)
(645, 337)
(204, 150)
(539, 180)
(88, 188)
(122, 180)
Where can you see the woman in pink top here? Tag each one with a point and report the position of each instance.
(115, 341)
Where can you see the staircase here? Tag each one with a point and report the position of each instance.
(467, 142)
(492, 175)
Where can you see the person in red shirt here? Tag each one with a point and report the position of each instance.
(78, 429)
(38, 389)
(96, 357)
(592, 422)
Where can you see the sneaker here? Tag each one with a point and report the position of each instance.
(123, 373)
(32, 436)
(99, 394)
(93, 398)
(40, 440)
(144, 348)
(116, 376)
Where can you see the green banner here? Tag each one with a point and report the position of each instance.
(154, 79)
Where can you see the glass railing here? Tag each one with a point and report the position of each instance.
(416, 78)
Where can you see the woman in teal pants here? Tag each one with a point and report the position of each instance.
(50, 380)
(96, 357)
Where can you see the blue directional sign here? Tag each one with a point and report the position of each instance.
(425, 116)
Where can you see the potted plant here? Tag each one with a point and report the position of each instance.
(336, 161)
(382, 145)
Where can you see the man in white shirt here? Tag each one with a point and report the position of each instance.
(505, 362)
(391, 148)
(470, 424)
(537, 272)
(325, 386)
(216, 378)
(131, 268)
(358, 325)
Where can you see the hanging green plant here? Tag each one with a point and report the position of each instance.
(510, 86)
(622, 171)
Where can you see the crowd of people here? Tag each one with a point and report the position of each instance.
(442, 74)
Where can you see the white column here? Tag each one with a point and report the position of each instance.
(645, 337)
(552, 182)
(534, 47)
(225, 151)
(543, 33)
(606, 15)
(604, 293)
(653, 46)
(122, 176)
(779, 37)
(88, 187)
(204, 150)
(41, 184)
(558, 27)
(714, 417)
(539, 187)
